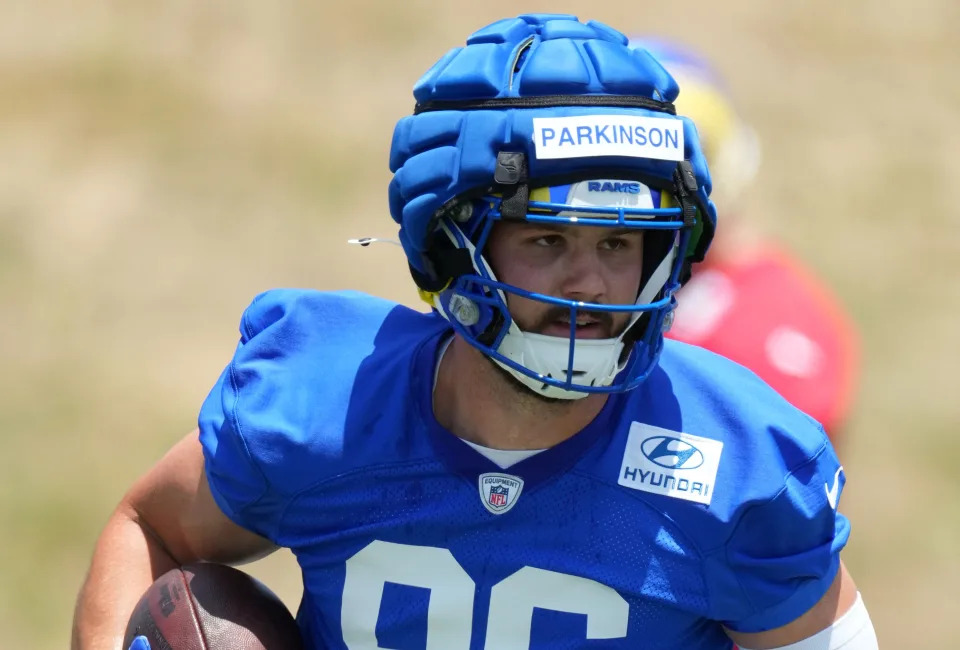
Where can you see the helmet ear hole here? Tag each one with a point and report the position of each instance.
(446, 260)
(452, 255)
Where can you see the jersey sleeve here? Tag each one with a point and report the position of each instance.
(234, 471)
(274, 423)
(784, 552)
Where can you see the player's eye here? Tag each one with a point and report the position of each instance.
(615, 243)
(547, 240)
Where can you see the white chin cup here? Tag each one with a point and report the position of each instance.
(595, 361)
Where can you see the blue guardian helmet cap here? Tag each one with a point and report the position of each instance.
(545, 119)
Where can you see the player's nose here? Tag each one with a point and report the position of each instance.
(583, 274)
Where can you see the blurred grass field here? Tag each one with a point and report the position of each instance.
(163, 162)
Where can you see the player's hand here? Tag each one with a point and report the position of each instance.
(140, 643)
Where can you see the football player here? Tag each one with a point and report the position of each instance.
(528, 465)
(751, 300)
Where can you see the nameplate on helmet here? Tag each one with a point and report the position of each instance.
(583, 136)
(671, 463)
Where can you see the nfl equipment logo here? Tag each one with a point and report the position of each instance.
(498, 496)
(499, 492)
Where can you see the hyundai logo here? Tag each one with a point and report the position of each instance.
(672, 453)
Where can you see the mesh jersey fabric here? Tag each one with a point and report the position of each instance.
(320, 436)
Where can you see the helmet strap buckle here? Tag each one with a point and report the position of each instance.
(511, 175)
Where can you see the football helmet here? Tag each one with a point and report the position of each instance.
(546, 119)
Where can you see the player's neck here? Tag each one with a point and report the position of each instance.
(474, 400)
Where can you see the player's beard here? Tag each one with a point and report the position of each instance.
(530, 398)
(526, 396)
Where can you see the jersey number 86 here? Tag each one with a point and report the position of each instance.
(452, 591)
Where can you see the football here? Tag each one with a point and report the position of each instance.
(207, 606)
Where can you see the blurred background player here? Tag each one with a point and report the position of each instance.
(751, 300)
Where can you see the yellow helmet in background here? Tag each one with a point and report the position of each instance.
(730, 145)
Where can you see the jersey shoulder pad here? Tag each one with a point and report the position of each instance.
(726, 400)
(772, 534)
(275, 422)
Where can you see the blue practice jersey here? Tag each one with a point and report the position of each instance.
(698, 500)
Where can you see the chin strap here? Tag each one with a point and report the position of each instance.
(658, 278)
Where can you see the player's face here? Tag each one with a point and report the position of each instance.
(588, 264)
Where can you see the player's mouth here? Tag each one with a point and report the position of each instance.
(587, 327)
